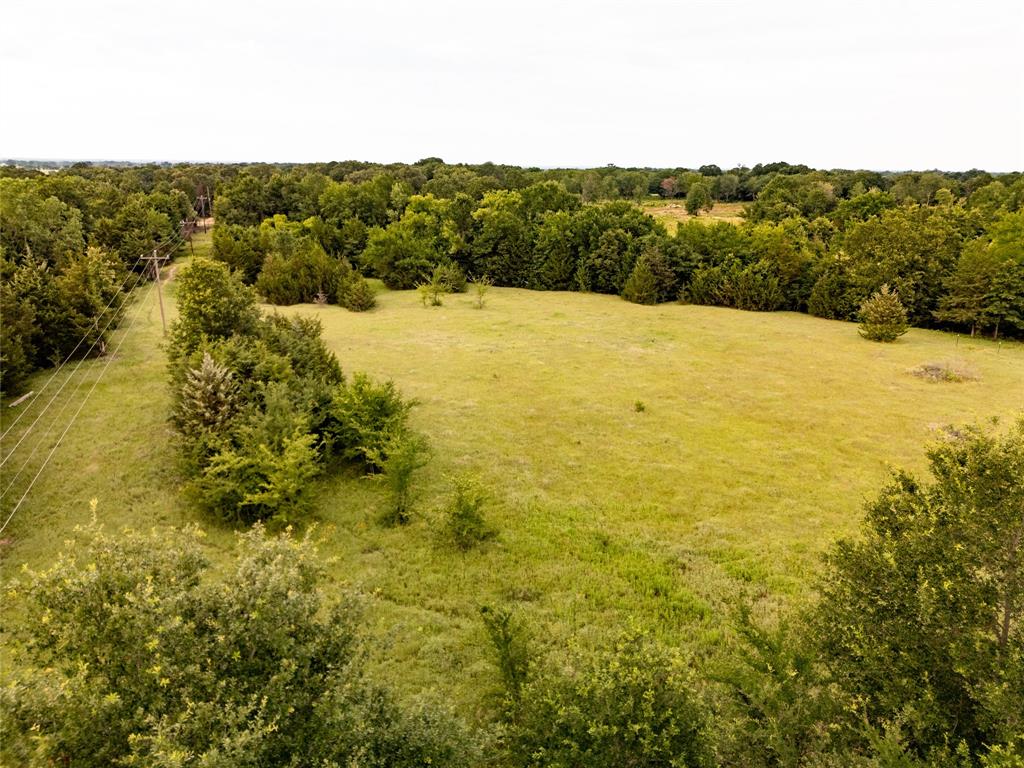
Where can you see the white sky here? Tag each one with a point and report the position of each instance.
(883, 85)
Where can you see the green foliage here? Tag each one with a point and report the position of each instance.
(778, 711)
(510, 645)
(449, 274)
(400, 458)
(882, 317)
(208, 399)
(136, 656)
(302, 277)
(356, 295)
(920, 617)
(365, 420)
(264, 472)
(698, 199)
(650, 280)
(464, 524)
(241, 248)
(481, 285)
(632, 704)
(212, 304)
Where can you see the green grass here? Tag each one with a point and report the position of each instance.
(760, 437)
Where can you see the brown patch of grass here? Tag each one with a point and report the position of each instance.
(672, 212)
(945, 370)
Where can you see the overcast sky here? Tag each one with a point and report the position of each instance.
(882, 85)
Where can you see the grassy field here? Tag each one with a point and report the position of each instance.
(672, 212)
(759, 438)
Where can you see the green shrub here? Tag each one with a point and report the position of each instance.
(263, 474)
(632, 704)
(480, 287)
(883, 317)
(464, 524)
(136, 651)
(304, 276)
(212, 304)
(365, 418)
(449, 273)
(400, 458)
(241, 248)
(509, 642)
(208, 399)
(357, 295)
(642, 285)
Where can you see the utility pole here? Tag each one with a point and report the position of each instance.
(155, 261)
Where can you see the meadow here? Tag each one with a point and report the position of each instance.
(654, 464)
(672, 212)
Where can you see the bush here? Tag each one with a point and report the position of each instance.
(508, 638)
(212, 304)
(449, 274)
(400, 458)
(264, 472)
(208, 399)
(464, 524)
(365, 419)
(480, 286)
(240, 248)
(357, 295)
(300, 278)
(136, 653)
(882, 317)
(632, 704)
(916, 619)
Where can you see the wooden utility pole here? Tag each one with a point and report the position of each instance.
(155, 260)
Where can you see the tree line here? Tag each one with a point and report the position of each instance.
(69, 248)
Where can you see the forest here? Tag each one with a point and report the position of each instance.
(238, 634)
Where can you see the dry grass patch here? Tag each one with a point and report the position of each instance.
(945, 370)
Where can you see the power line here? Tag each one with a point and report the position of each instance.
(70, 354)
(60, 389)
(88, 394)
(174, 243)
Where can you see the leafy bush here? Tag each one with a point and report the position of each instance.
(301, 277)
(632, 704)
(480, 287)
(882, 317)
(508, 638)
(212, 304)
(240, 248)
(919, 616)
(133, 654)
(400, 458)
(464, 524)
(365, 418)
(263, 473)
(356, 295)
(449, 274)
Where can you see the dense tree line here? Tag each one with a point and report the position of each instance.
(69, 248)
(821, 242)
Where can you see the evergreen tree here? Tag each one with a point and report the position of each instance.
(883, 317)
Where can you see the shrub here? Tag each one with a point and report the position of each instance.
(301, 277)
(480, 286)
(464, 524)
(509, 642)
(642, 285)
(365, 418)
(212, 304)
(449, 274)
(431, 293)
(632, 704)
(137, 653)
(264, 472)
(917, 614)
(882, 317)
(207, 400)
(357, 295)
(240, 248)
(400, 458)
